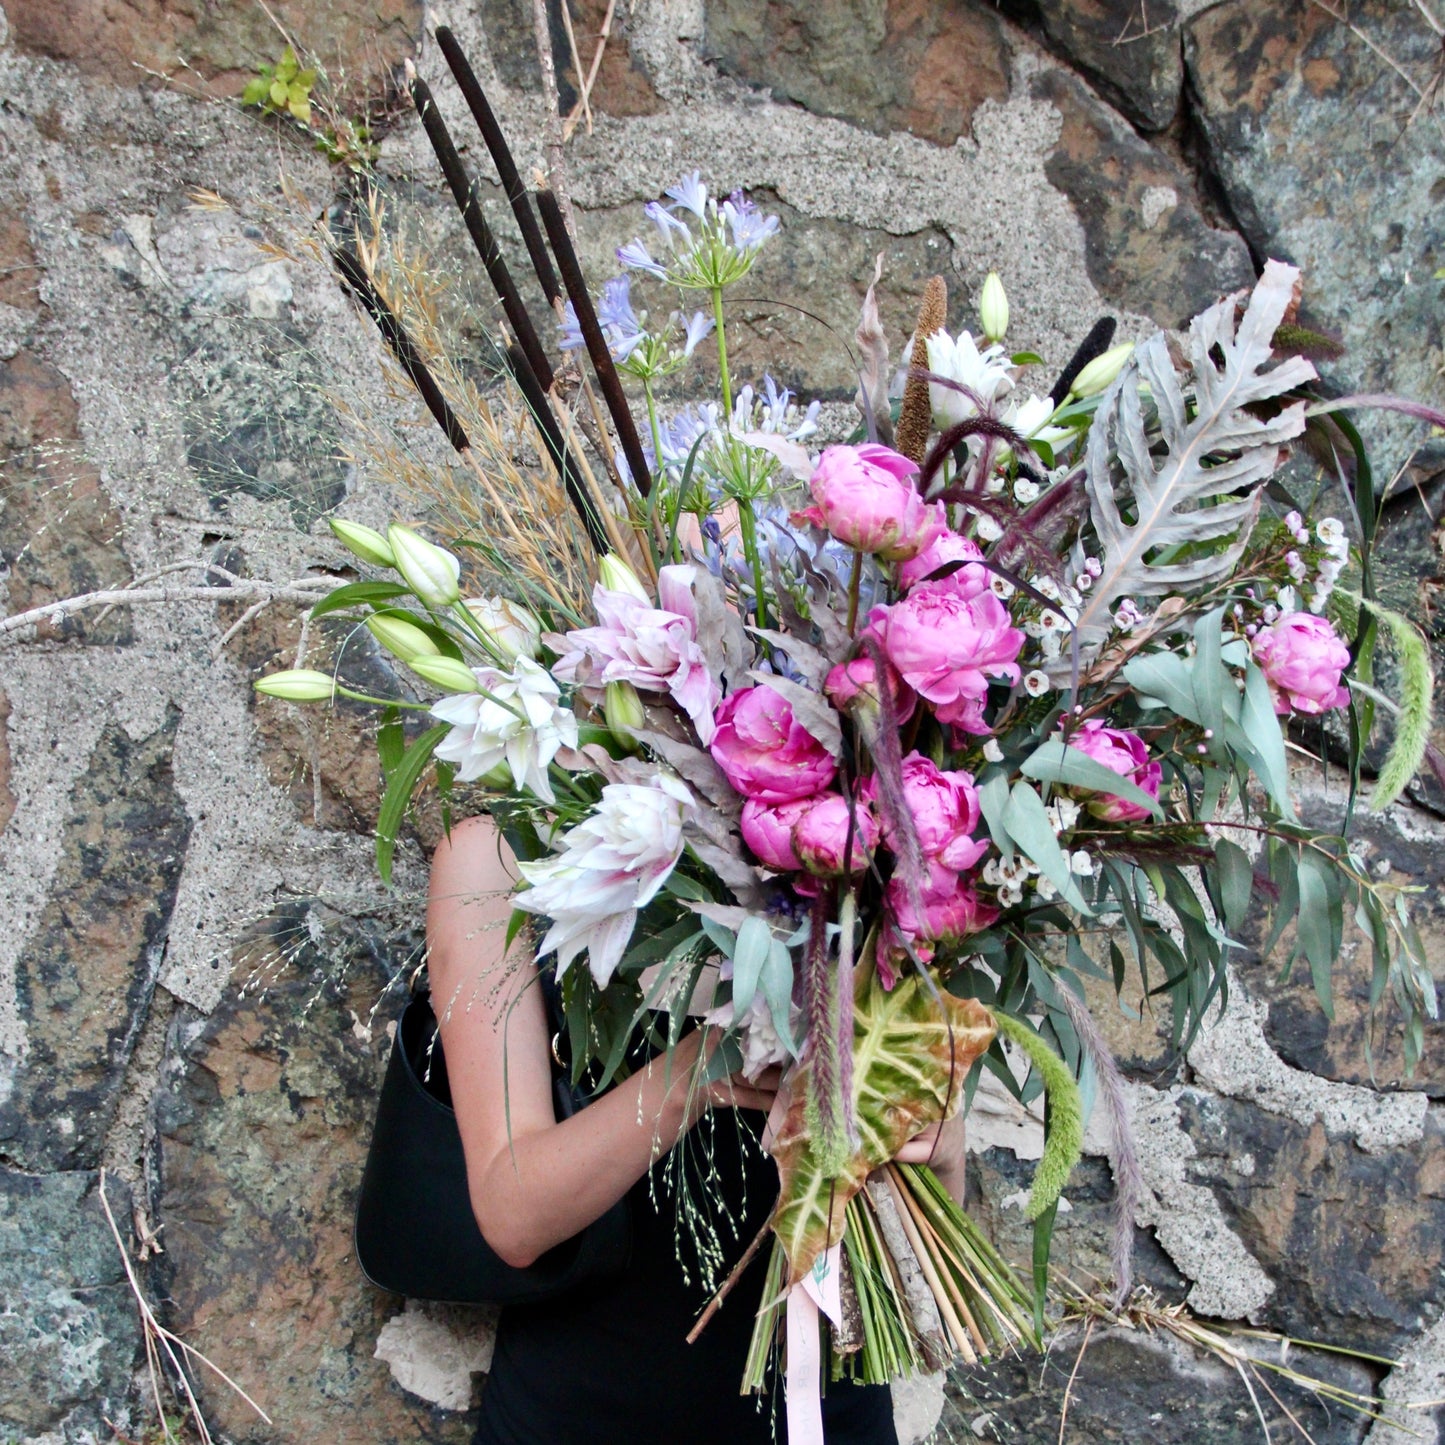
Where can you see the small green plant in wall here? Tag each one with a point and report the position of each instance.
(283, 88)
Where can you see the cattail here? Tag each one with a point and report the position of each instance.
(915, 419)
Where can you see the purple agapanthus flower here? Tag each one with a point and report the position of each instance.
(635, 256)
(749, 226)
(699, 326)
(690, 193)
(619, 322)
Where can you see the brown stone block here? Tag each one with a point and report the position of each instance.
(883, 64)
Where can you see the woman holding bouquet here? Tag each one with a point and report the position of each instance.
(609, 1361)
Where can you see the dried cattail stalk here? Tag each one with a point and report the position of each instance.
(915, 418)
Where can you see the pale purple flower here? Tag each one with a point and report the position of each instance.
(699, 326)
(667, 224)
(653, 648)
(609, 867)
(749, 226)
(635, 256)
(689, 193)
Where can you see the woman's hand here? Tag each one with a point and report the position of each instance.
(736, 1091)
(941, 1147)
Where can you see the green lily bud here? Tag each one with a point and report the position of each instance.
(617, 576)
(1102, 371)
(511, 629)
(298, 684)
(622, 708)
(993, 307)
(401, 638)
(445, 672)
(369, 545)
(430, 571)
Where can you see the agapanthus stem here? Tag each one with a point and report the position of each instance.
(722, 358)
(748, 526)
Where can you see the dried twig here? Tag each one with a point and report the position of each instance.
(584, 99)
(158, 1338)
(306, 590)
(556, 162)
(585, 94)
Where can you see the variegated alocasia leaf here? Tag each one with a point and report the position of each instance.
(1196, 480)
(912, 1049)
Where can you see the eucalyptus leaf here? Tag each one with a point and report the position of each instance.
(1027, 823)
(1055, 762)
(1236, 882)
(750, 953)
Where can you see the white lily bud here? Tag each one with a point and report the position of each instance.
(368, 544)
(1102, 371)
(617, 576)
(298, 684)
(401, 638)
(622, 707)
(445, 672)
(430, 571)
(993, 307)
(511, 629)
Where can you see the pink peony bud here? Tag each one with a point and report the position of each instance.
(951, 911)
(1124, 753)
(764, 751)
(820, 837)
(865, 498)
(944, 809)
(947, 646)
(768, 830)
(1303, 659)
(854, 685)
(968, 580)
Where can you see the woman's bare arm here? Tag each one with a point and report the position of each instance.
(535, 1182)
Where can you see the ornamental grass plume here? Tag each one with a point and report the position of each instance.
(915, 417)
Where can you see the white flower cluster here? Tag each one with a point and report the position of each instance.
(1051, 628)
(1330, 533)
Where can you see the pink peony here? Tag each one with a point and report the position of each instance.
(854, 684)
(1123, 753)
(653, 648)
(765, 752)
(820, 837)
(864, 496)
(944, 809)
(768, 830)
(968, 580)
(1302, 660)
(947, 646)
(951, 911)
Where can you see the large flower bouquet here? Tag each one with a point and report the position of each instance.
(871, 753)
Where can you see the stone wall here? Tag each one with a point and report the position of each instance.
(195, 957)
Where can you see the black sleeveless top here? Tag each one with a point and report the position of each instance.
(609, 1363)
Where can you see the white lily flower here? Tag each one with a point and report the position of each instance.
(519, 722)
(610, 866)
(985, 373)
(510, 628)
(430, 571)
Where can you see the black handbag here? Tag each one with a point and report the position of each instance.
(415, 1231)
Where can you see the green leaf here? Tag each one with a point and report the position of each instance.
(1414, 720)
(1054, 762)
(1320, 924)
(1236, 882)
(1026, 358)
(278, 95)
(390, 742)
(1028, 825)
(992, 801)
(1210, 680)
(1265, 737)
(1166, 676)
(256, 91)
(357, 594)
(750, 953)
(287, 66)
(777, 986)
(304, 80)
(399, 788)
(300, 108)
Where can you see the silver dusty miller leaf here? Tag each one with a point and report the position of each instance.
(1198, 478)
